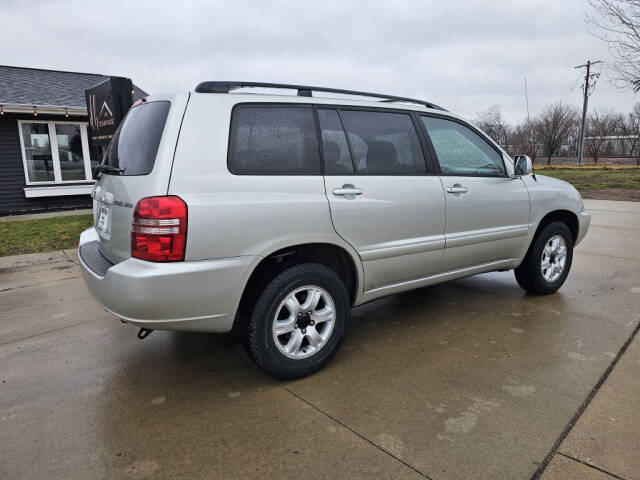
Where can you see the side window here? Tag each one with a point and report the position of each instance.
(273, 141)
(461, 151)
(337, 159)
(384, 143)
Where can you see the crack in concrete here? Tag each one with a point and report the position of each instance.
(586, 464)
(586, 252)
(358, 434)
(39, 284)
(47, 332)
(67, 257)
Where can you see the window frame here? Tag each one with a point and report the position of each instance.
(320, 171)
(431, 165)
(53, 143)
(430, 169)
(482, 136)
(116, 134)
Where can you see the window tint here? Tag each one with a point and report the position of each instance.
(384, 143)
(461, 151)
(274, 140)
(135, 145)
(337, 158)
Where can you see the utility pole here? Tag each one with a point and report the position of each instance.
(587, 77)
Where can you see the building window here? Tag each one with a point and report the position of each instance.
(55, 152)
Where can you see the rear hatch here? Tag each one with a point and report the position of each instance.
(138, 165)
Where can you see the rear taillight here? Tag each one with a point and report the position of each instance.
(159, 229)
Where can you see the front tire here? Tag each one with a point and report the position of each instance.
(548, 261)
(299, 321)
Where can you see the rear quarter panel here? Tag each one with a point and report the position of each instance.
(234, 215)
(128, 190)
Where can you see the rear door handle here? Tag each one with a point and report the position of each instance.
(457, 188)
(348, 191)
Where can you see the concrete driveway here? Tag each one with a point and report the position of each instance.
(471, 379)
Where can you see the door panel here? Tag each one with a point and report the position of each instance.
(382, 200)
(486, 223)
(487, 212)
(396, 225)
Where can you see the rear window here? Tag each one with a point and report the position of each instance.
(134, 147)
(273, 141)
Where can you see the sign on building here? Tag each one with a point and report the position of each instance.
(107, 104)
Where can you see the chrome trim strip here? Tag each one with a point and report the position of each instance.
(403, 247)
(461, 239)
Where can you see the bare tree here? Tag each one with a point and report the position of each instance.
(601, 124)
(618, 23)
(493, 124)
(630, 129)
(523, 141)
(553, 126)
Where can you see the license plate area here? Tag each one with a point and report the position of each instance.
(102, 222)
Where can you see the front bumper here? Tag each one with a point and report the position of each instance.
(584, 220)
(194, 295)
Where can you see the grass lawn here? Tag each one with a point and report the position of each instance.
(42, 235)
(606, 183)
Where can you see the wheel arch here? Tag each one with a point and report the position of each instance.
(344, 262)
(569, 218)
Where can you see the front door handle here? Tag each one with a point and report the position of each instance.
(347, 191)
(457, 188)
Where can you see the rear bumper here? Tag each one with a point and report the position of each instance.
(584, 220)
(195, 296)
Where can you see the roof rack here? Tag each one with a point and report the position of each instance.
(304, 91)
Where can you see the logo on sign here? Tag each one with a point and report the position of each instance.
(103, 118)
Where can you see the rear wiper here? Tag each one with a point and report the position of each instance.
(102, 168)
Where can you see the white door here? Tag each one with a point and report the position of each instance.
(382, 199)
(487, 212)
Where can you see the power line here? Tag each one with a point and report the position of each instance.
(572, 87)
(612, 93)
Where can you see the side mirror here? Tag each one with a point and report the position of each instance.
(522, 166)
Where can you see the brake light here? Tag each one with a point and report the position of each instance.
(159, 229)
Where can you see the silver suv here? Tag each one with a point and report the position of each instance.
(271, 215)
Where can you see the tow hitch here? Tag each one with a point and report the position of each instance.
(144, 333)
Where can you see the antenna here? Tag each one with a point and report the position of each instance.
(526, 96)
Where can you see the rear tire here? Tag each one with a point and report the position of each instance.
(299, 321)
(548, 261)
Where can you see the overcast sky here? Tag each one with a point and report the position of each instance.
(464, 56)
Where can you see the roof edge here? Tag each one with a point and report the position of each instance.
(42, 109)
(58, 71)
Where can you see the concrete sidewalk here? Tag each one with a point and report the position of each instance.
(36, 216)
(470, 379)
(605, 442)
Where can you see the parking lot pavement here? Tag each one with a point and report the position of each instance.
(471, 379)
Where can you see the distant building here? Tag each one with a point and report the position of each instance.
(45, 159)
(616, 145)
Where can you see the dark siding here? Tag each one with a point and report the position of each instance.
(12, 183)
